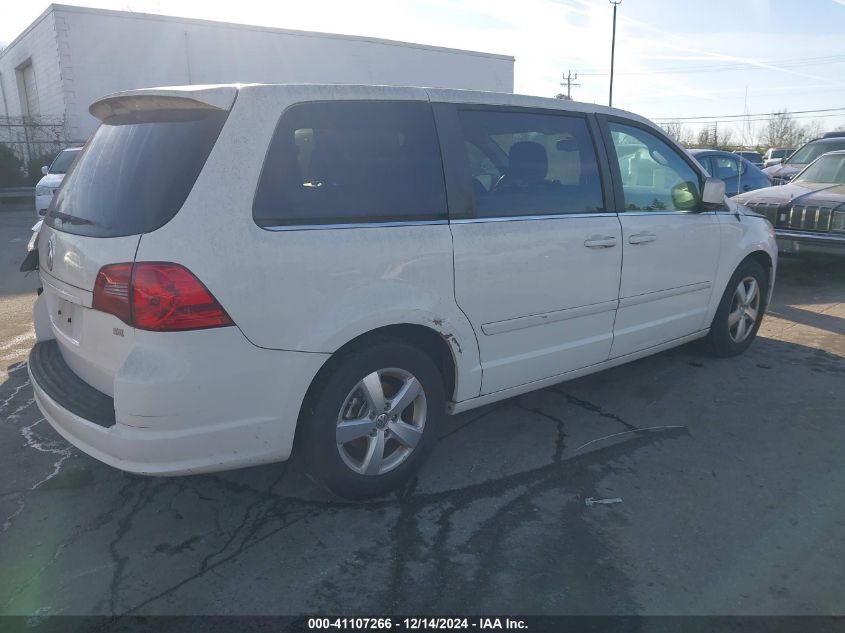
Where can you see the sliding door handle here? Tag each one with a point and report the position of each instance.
(641, 238)
(604, 241)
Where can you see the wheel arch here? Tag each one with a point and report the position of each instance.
(439, 346)
(442, 347)
(765, 260)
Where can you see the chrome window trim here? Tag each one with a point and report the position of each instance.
(509, 218)
(652, 213)
(517, 218)
(351, 225)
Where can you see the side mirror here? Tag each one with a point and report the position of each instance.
(685, 196)
(714, 192)
(44, 170)
(776, 161)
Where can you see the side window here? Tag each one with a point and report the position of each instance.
(524, 163)
(724, 167)
(482, 168)
(654, 176)
(342, 162)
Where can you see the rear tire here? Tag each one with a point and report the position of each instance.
(740, 311)
(372, 418)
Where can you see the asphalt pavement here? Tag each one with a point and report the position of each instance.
(728, 471)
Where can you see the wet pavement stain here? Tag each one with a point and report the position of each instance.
(430, 566)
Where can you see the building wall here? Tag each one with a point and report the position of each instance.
(109, 51)
(32, 130)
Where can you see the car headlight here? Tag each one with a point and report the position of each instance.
(838, 220)
(41, 190)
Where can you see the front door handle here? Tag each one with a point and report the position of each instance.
(603, 241)
(641, 238)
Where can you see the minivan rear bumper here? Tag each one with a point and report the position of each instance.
(257, 428)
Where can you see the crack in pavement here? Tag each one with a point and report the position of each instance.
(280, 512)
(592, 408)
(145, 496)
(409, 552)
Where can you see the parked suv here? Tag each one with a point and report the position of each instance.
(808, 213)
(231, 273)
(781, 174)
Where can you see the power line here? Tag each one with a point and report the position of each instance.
(808, 61)
(710, 122)
(723, 117)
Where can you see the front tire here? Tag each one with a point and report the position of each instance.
(740, 311)
(372, 418)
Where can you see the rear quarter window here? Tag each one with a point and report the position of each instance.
(135, 173)
(347, 162)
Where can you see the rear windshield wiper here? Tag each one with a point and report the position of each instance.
(70, 219)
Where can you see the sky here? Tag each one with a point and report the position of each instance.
(674, 58)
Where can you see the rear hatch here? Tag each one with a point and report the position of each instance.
(131, 178)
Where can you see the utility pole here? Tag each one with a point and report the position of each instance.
(569, 78)
(715, 134)
(615, 4)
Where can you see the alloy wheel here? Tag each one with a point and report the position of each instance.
(745, 309)
(381, 421)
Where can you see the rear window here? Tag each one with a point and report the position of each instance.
(345, 162)
(135, 173)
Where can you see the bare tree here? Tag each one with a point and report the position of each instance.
(679, 132)
(725, 138)
(812, 130)
(782, 131)
(705, 137)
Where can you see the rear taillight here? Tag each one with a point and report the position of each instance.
(158, 296)
(111, 291)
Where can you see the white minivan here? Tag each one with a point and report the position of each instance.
(232, 273)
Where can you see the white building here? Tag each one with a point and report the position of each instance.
(70, 56)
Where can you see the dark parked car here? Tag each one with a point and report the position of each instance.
(786, 171)
(752, 157)
(738, 174)
(809, 212)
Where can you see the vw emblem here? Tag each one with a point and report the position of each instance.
(50, 254)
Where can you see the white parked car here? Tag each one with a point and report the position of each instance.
(234, 272)
(776, 155)
(52, 179)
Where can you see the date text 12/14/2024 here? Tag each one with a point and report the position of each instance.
(416, 624)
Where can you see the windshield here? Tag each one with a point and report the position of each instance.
(811, 151)
(781, 153)
(827, 169)
(135, 173)
(63, 161)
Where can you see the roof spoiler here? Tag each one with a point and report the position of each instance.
(156, 99)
